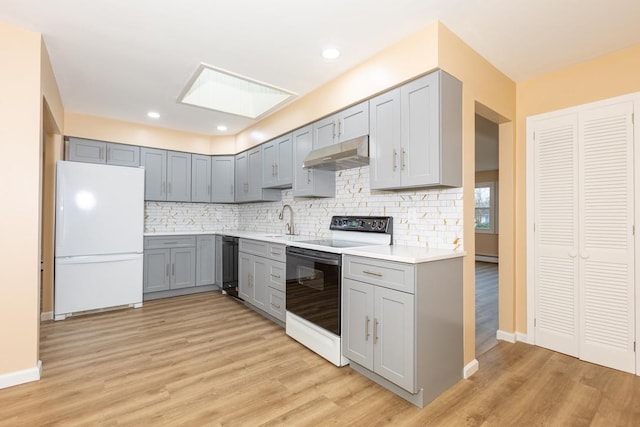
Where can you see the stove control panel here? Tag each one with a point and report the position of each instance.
(369, 224)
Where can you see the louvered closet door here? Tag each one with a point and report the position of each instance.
(606, 236)
(556, 231)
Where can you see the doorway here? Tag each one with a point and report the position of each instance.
(486, 233)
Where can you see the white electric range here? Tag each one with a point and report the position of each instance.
(314, 281)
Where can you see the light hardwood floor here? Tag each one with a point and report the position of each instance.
(486, 306)
(206, 360)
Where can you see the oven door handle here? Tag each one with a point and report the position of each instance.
(327, 261)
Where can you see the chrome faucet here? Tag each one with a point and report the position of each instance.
(289, 226)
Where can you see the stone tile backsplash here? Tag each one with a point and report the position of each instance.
(423, 217)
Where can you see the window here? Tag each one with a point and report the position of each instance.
(486, 204)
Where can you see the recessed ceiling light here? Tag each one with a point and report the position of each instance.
(220, 90)
(222, 128)
(330, 53)
(153, 114)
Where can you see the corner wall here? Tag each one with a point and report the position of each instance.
(20, 160)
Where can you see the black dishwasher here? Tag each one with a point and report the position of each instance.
(229, 265)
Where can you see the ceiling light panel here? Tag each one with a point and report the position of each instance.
(216, 89)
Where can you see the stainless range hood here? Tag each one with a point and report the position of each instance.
(345, 155)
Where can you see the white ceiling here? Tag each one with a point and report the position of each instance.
(122, 58)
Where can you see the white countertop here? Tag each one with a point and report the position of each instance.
(407, 254)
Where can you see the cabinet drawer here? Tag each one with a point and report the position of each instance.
(160, 242)
(392, 275)
(277, 275)
(254, 247)
(276, 306)
(277, 252)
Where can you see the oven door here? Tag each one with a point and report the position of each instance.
(313, 287)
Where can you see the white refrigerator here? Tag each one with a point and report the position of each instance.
(99, 237)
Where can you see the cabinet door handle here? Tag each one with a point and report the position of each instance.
(339, 128)
(402, 159)
(276, 170)
(372, 273)
(395, 159)
(308, 176)
(375, 331)
(366, 328)
(275, 305)
(277, 276)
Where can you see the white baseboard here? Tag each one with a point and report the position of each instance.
(522, 337)
(20, 377)
(470, 369)
(487, 258)
(506, 336)
(46, 315)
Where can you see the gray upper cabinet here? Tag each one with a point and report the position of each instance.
(342, 126)
(206, 259)
(309, 182)
(154, 162)
(277, 162)
(241, 177)
(222, 179)
(248, 178)
(178, 176)
(200, 178)
(416, 134)
(167, 175)
(90, 151)
(123, 155)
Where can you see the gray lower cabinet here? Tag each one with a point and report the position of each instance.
(174, 265)
(222, 179)
(262, 275)
(415, 137)
(200, 178)
(91, 151)
(277, 162)
(402, 324)
(167, 175)
(309, 182)
(205, 259)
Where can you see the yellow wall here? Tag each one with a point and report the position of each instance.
(105, 129)
(482, 84)
(403, 61)
(21, 109)
(605, 77)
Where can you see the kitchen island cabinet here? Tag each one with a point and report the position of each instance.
(415, 137)
(402, 324)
